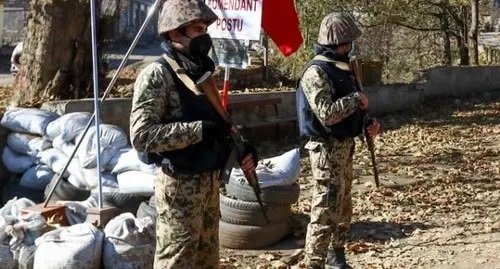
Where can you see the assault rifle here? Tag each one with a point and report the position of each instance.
(367, 121)
(238, 142)
(209, 87)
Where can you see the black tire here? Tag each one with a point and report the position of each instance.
(251, 237)
(273, 195)
(12, 190)
(249, 213)
(124, 202)
(146, 210)
(65, 191)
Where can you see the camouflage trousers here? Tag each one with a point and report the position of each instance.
(331, 205)
(187, 226)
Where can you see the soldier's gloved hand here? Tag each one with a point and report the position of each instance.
(363, 101)
(249, 150)
(212, 131)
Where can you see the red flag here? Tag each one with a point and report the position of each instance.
(281, 23)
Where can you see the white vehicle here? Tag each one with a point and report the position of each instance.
(15, 63)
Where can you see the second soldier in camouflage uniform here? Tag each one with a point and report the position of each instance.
(330, 114)
(181, 132)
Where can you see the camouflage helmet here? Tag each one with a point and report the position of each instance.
(177, 13)
(337, 28)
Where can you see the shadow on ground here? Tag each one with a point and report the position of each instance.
(380, 232)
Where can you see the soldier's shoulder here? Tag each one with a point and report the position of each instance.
(154, 69)
(314, 72)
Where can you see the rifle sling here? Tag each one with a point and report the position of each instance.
(209, 88)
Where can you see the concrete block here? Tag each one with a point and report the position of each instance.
(385, 99)
(99, 217)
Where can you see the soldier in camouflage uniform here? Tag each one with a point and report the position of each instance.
(330, 114)
(184, 135)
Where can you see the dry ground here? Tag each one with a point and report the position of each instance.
(440, 166)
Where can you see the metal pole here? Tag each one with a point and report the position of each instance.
(225, 88)
(108, 89)
(265, 70)
(95, 74)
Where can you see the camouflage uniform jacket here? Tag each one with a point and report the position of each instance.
(155, 102)
(319, 91)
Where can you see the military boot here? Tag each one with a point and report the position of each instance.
(335, 259)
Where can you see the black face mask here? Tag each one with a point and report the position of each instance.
(200, 46)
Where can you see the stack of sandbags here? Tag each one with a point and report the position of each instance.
(18, 233)
(67, 130)
(39, 152)
(21, 155)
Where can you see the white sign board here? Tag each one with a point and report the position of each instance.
(237, 19)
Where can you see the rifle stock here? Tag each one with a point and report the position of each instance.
(369, 140)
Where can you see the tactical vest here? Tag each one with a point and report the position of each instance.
(309, 124)
(200, 157)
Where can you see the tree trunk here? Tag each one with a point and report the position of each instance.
(445, 28)
(472, 35)
(56, 61)
(462, 40)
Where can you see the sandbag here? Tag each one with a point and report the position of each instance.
(13, 207)
(112, 138)
(56, 160)
(37, 177)
(6, 258)
(17, 163)
(77, 182)
(66, 147)
(68, 126)
(27, 120)
(129, 243)
(27, 257)
(77, 247)
(92, 181)
(76, 211)
(280, 170)
(126, 159)
(27, 144)
(25, 232)
(4, 222)
(136, 182)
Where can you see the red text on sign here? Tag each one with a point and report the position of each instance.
(238, 5)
